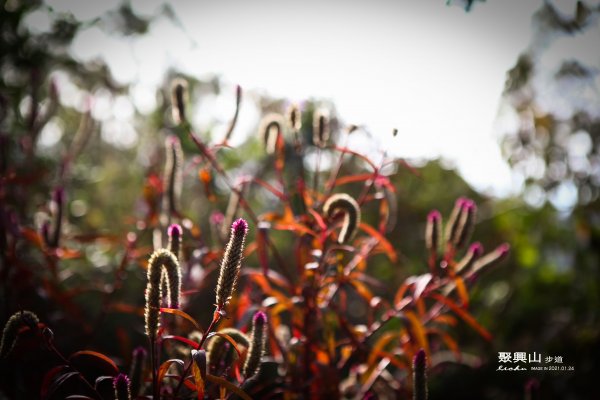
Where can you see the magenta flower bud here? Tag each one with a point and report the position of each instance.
(175, 233)
(216, 218)
(174, 230)
(231, 264)
(122, 387)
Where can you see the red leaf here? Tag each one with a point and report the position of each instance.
(383, 242)
(105, 362)
(468, 318)
(187, 341)
(181, 314)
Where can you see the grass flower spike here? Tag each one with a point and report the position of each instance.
(174, 246)
(420, 376)
(321, 129)
(137, 370)
(173, 175)
(11, 330)
(122, 387)
(232, 261)
(258, 338)
(161, 261)
(178, 100)
(342, 202)
(270, 128)
(433, 231)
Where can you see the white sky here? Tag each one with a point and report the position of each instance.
(433, 72)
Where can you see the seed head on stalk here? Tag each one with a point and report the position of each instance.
(258, 338)
(161, 261)
(231, 264)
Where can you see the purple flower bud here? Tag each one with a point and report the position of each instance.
(122, 387)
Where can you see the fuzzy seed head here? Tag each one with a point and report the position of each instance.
(271, 126)
(220, 352)
(321, 129)
(258, 338)
(122, 387)
(294, 117)
(173, 175)
(420, 376)
(341, 202)
(488, 260)
(466, 263)
(465, 224)
(433, 231)
(231, 263)
(178, 100)
(11, 330)
(461, 222)
(162, 262)
(137, 370)
(175, 233)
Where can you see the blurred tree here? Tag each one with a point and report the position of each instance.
(552, 105)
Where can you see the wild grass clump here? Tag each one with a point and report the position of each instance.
(283, 272)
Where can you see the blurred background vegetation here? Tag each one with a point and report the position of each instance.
(545, 298)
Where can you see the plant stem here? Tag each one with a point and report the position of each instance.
(155, 387)
(213, 323)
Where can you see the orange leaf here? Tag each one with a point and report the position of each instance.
(383, 341)
(445, 319)
(418, 330)
(97, 355)
(229, 339)
(199, 371)
(387, 246)
(127, 308)
(448, 340)
(187, 341)
(401, 292)
(468, 318)
(181, 314)
(32, 236)
(296, 227)
(461, 288)
(271, 189)
(352, 178)
(230, 386)
(164, 367)
(362, 290)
